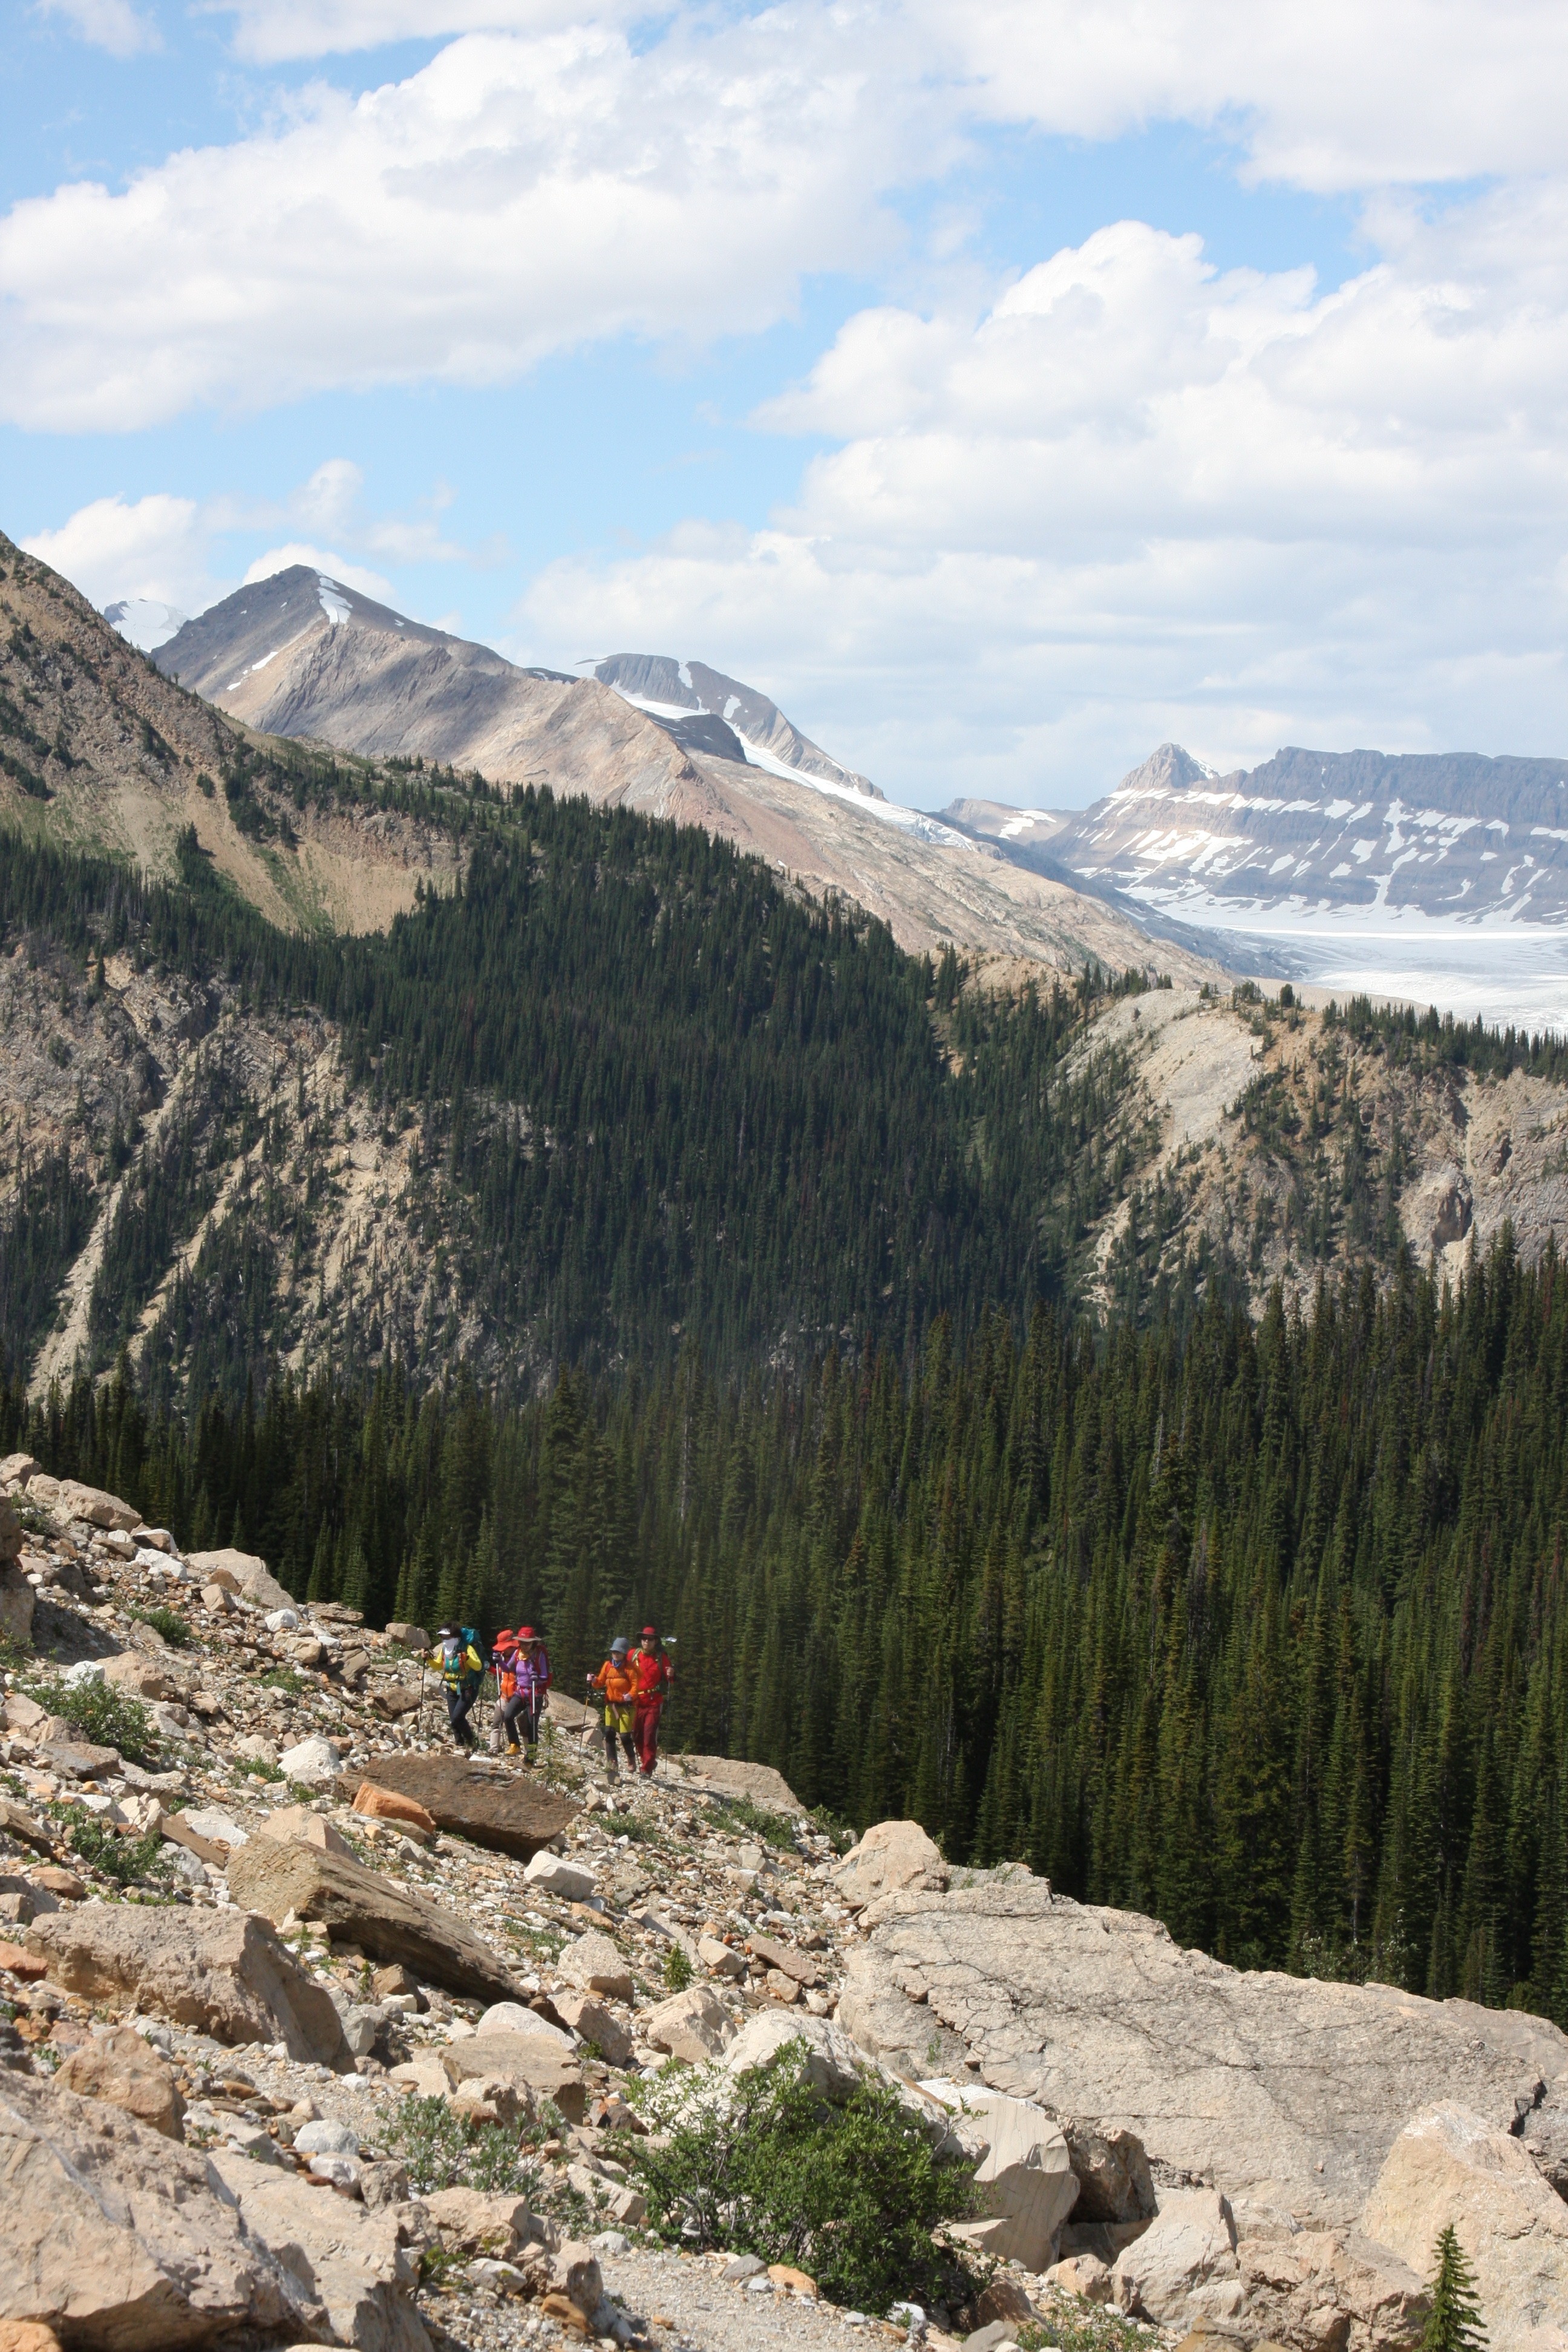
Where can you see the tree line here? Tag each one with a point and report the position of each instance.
(1259, 1627)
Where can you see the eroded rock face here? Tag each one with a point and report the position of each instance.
(349, 2263)
(694, 2025)
(1024, 2173)
(250, 1575)
(222, 1972)
(1184, 2267)
(1281, 2090)
(119, 2067)
(489, 1806)
(121, 2242)
(891, 1857)
(1450, 2164)
(356, 1905)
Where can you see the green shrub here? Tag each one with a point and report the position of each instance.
(1085, 2329)
(443, 2150)
(741, 1813)
(105, 1717)
(129, 1861)
(175, 1628)
(765, 2166)
(260, 1769)
(677, 1968)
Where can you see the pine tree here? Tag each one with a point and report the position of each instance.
(1454, 2321)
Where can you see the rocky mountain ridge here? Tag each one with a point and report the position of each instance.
(1160, 2142)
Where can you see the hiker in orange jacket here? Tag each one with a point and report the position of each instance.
(652, 1679)
(617, 1687)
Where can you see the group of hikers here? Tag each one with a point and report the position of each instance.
(632, 1685)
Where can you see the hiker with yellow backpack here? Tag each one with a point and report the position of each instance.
(457, 1660)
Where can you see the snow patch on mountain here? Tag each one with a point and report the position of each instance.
(143, 621)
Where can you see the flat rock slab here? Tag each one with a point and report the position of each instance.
(356, 1905)
(113, 2236)
(344, 2259)
(732, 1778)
(219, 1973)
(498, 1808)
(1280, 2089)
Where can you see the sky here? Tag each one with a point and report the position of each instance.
(1006, 386)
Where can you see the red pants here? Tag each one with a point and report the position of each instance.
(646, 1732)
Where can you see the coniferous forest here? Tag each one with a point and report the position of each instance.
(1256, 1624)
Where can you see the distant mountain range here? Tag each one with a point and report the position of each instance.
(304, 655)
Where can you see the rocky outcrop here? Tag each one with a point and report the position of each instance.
(491, 1805)
(249, 1573)
(1450, 2166)
(386, 1919)
(222, 1972)
(17, 1600)
(1183, 2270)
(120, 2068)
(892, 1858)
(350, 2266)
(121, 2242)
(1283, 2091)
(1024, 2172)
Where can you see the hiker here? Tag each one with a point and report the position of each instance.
(614, 1682)
(522, 1679)
(503, 1715)
(457, 1660)
(652, 1679)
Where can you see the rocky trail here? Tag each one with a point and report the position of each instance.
(269, 1950)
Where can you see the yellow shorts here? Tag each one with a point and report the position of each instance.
(620, 1718)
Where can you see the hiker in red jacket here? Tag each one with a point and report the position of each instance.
(651, 1678)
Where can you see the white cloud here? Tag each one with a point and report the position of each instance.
(320, 559)
(154, 547)
(111, 25)
(515, 197)
(269, 31)
(1139, 497)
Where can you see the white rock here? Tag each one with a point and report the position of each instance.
(281, 1620)
(325, 2138)
(1183, 2270)
(553, 1875)
(85, 1670)
(513, 2017)
(694, 2025)
(312, 1763)
(1025, 2174)
(891, 1857)
(834, 2064)
(209, 1822)
(344, 2170)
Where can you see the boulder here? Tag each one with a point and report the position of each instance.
(388, 1805)
(473, 2223)
(720, 1957)
(733, 1777)
(1545, 2134)
(553, 1874)
(491, 1805)
(387, 1920)
(138, 1676)
(410, 1637)
(16, 1469)
(1283, 2091)
(1450, 2164)
(18, 1602)
(694, 2025)
(298, 1825)
(122, 2069)
(248, 1574)
(525, 2059)
(494, 2099)
(593, 1963)
(834, 2065)
(121, 2242)
(18, 1823)
(352, 2264)
(74, 1501)
(1114, 2183)
(221, 1972)
(518, 2017)
(574, 2272)
(1312, 2289)
(892, 1857)
(1183, 2270)
(787, 1959)
(1024, 2172)
(73, 1758)
(593, 2022)
(313, 1762)
(1084, 2276)
(393, 1701)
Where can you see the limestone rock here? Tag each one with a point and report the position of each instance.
(75, 1501)
(1252, 2079)
(221, 1972)
(393, 1701)
(520, 2017)
(118, 2240)
(525, 2059)
(384, 1918)
(311, 1763)
(1545, 2134)
(576, 2273)
(474, 2223)
(138, 1677)
(248, 1572)
(1083, 2274)
(720, 1957)
(488, 1805)
(298, 1825)
(734, 1778)
(1184, 2269)
(1024, 2172)
(595, 2023)
(122, 2069)
(892, 1857)
(1114, 2182)
(1450, 2164)
(350, 2264)
(694, 2025)
(16, 1469)
(787, 1959)
(553, 1875)
(18, 1823)
(493, 2099)
(593, 1962)
(410, 1637)
(1310, 2288)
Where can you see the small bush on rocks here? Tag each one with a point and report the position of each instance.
(677, 1968)
(741, 1814)
(129, 1861)
(104, 1716)
(849, 2193)
(443, 2150)
(175, 1628)
(1085, 2330)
